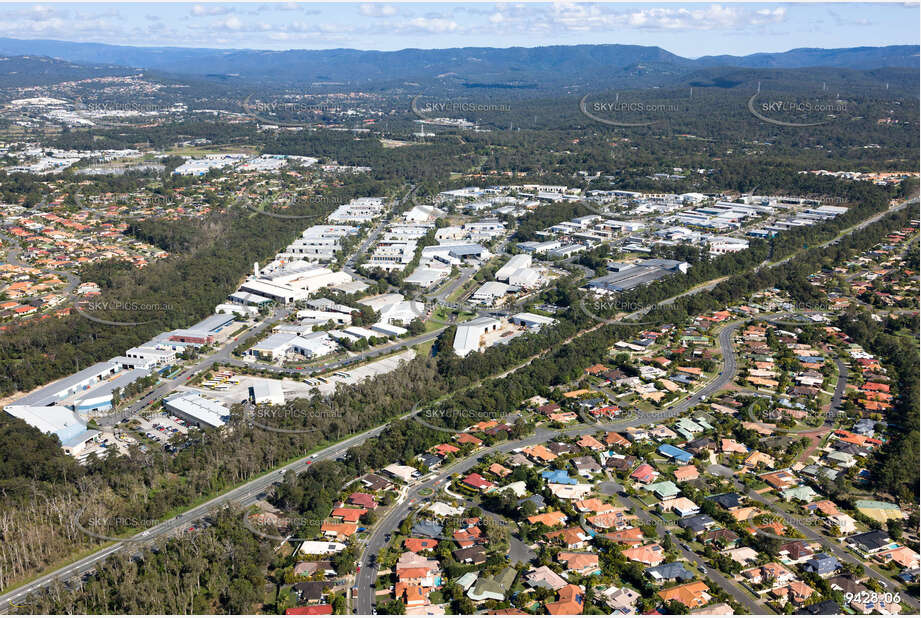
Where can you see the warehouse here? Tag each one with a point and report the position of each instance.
(627, 276)
(59, 421)
(267, 391)
(70, 385)
(517, 262)
(468, 336)
(194, 408)
(531, 320)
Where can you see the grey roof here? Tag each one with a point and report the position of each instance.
(696, 523)
(670, 570)
(426, 528)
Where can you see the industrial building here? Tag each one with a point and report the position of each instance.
(57, 420)
(193, 408)
(267, 391)
(626, 276)
(468, 337)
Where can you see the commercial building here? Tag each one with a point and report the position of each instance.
(626, 276)
(267, 391)
(194, 408)
(468, 337)
(59, 421)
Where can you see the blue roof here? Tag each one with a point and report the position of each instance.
(675, 453)
(558, 476)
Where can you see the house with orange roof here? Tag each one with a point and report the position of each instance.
(466, 438)
(627, 536)
(571, 538)
(468, 537)
(686, 473)
(348, 515)
(826, 507)
(905, 557)
(780, 480)
(772, 572)
(338, 531)
(539, 452)
(692, 595)
(796, 592)
(650, 555)
(744, 513)
(757, 458)
(416, 545)
(446, 449)
(593, 505)
(595, 369)
(765, 429)
(499, 470)
(551, 520)
(612, 438)
(728, 445)
(613, 519)
(570, 601)
(588, 441)
(765, 382)
(484, 425)
(581, 563)
(563, 417)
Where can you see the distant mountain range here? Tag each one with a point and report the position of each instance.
(570, 68)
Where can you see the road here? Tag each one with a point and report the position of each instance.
(244, 495)
(254, 488)
(391, 521)
(830, 545)
(739, 594)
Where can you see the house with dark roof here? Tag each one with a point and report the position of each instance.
(822, 565)
(427, 528)
(722, 537)
(470, 555)
(727, 501)
(430, 460)
(669, 572)
(586, 466)
(697, 523)
(869, 542)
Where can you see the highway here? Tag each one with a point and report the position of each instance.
(247, 492)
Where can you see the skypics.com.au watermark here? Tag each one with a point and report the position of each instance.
(90, 309)
(424, 415)
(628, 114)
(268, 112)
(432, 112)
(108, 528)
(252, 521)
(286, 418)
(600, 307)
(794, 112)
(287, 199)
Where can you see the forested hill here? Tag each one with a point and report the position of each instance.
(537, 68)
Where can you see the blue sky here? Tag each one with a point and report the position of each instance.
(690, 30)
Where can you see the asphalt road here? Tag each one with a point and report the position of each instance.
(391, 521)
(249, 491)
(738, 593)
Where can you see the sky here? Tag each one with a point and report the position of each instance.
(686, 29)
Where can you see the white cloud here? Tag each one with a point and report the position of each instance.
(202, 10)
(432, 25)
(377, 10)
